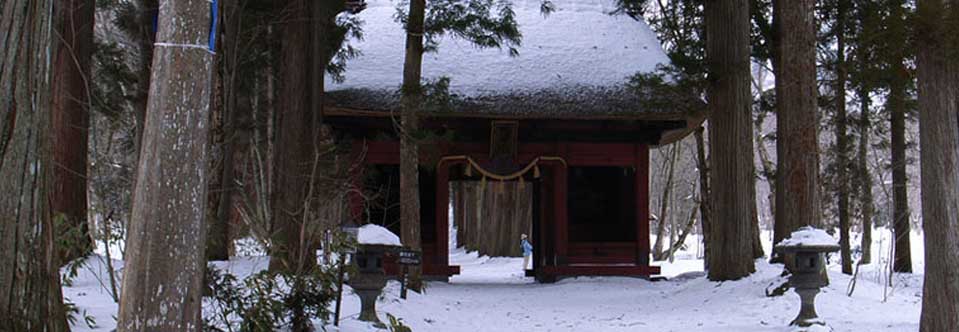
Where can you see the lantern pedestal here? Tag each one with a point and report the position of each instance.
(806, 248)
(369, 279)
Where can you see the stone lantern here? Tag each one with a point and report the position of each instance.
(370, 278)
(806, 248)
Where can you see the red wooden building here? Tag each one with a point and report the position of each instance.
(561, 117)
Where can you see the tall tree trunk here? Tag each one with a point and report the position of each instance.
(865, 181)
(732, 176)
(30, 295)
(704, 211)
(297, 135)
(145, 38)
(409, 152)
(214, 229)
(897, 109)
(308, 44)
(842, 139)
(780, 229)
(938, 74)
(218, 232)
(490, 237)
(664, 203)
(162, 282)
(797, 121)
(900, 189)
(474, 227)
(71, 121)
(459, 213)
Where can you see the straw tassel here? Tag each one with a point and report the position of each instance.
(536, 171)
(469, 170)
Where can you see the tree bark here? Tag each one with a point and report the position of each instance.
(214, 230)
(865, 181)
(842, 140)
(732, 175)
(474, 201)
(897, 109)
(938, 78)
(145, 38)
(704, 196)
(71, 121)
(297, 135)
(218, 232)
(506, 214)
(681, 239)
(780, 229)
(458, 213)
(308, 44)
(664, 204)
(797, 121)
(409, 151)
(163, 274)
(30, 294)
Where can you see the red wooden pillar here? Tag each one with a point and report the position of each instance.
(642, 205)
(542, 253)
(560, 194)
(442, 257)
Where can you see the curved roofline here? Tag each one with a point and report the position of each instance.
(580, 43)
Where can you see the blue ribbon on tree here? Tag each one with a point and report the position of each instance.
(215, 20)
(214, 24)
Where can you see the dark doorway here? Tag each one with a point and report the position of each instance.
(601, 204)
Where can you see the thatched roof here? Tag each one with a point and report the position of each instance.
(557, 103)
(573, 64)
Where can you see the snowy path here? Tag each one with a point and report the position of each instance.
(485, 303)
(493, 295)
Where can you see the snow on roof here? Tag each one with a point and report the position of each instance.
(808, 237)
(375, 234)
(579, 44)
(580, 103)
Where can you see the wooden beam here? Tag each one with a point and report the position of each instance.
(642, 204)
(575, 154)
(442, 214)
(602, 270)
(560, 196)
(533, 130)
(546, 221)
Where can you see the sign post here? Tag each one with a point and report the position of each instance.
(406, 258)
(350, 232)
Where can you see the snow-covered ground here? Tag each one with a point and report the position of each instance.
(492, 294)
